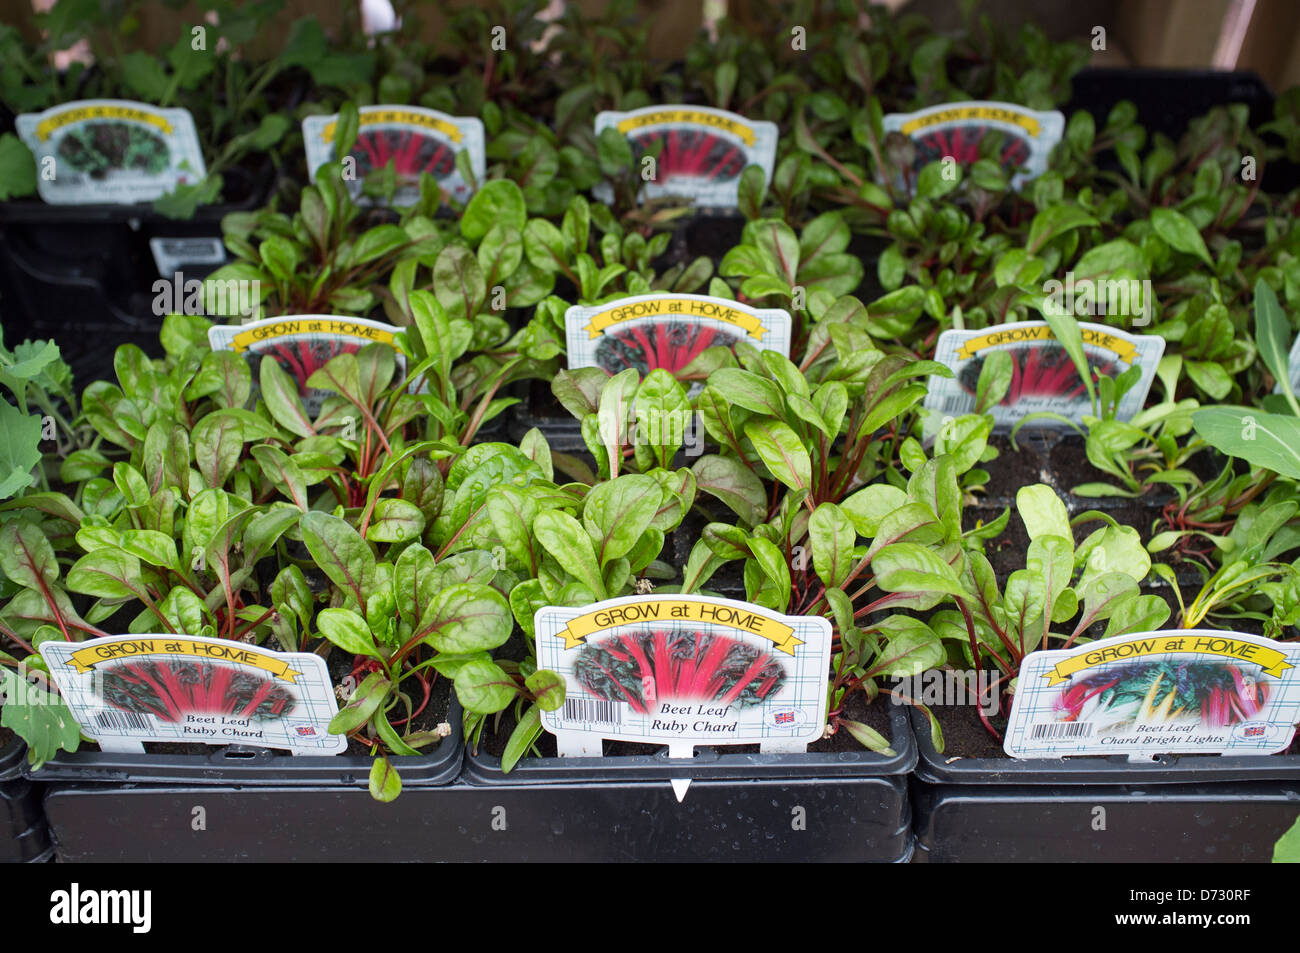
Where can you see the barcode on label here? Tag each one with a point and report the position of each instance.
(123, 720)
(593, 711)
(956, 404)
(1062, 729)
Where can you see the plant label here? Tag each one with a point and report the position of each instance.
(111, 151)
(957, 130)
(302, 344)
(1043, 377)
(177, 254)
(127, 689)
(1176, 690)
(684, 670)
(667, 331)
(698, 152)
(412, 139)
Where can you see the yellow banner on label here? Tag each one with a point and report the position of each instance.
(1121, 348)
(662, 116)
(1271, 660)
(967, 113)
(246, 339)
(405, 117)
(83, 660)
(46, 127)
(661, 611)
(717, 310)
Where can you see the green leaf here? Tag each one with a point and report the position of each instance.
(498, 202)
(395, 521)
(870, 505)
(385, 783)
(832, 536)
(484, 688)
(340, 553)
(910, 567)
(1054, 221)
(1273, 337)
(735, 484)
(20, 449)
(348, 631)
(1174, 228)
(547, 687)
(522, 739)
(1287, 848)
(26, 556)
(1043, 512)
(17, 168)
(467, 617)
(361, 707)
(1264, 440)
(37, 716)
(868, 737)
(566, 539)
(782, 452)
(617, 513)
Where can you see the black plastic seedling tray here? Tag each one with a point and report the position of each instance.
(24, 835)
(860, 796)
(1174, 808)
(756, 820)
(239, 765)
(1222, 823)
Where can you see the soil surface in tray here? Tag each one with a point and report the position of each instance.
(876, 715)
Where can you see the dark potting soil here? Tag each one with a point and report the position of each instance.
(496, 733)
(711, 236)
(6, 736)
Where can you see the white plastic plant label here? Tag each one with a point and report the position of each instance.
(684, 670)
(667, 331)
(1178, 690)
(113, 151)
(176, 254)
(699, 152)
(127, 689)
(302, 344)
(1043, 377)
(955, 131)
(413, 139)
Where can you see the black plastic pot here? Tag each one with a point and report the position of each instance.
(1168, 99)
(84, 275)
(737, 806)
(1176, 808)
(24, 835)
(242, 766)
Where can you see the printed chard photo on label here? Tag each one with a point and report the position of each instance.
(1024, 137)
(1183, 690)
(302, 344)
(684, 670)
(111, 151)
(698, 152)
(667, 331)
(1044, 378)
(412, 139)
(127, 689)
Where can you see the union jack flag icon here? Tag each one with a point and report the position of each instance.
(1254, 731)
(784, 718)
(305, 731)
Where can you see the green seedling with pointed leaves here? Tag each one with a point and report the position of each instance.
(1093, 582)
